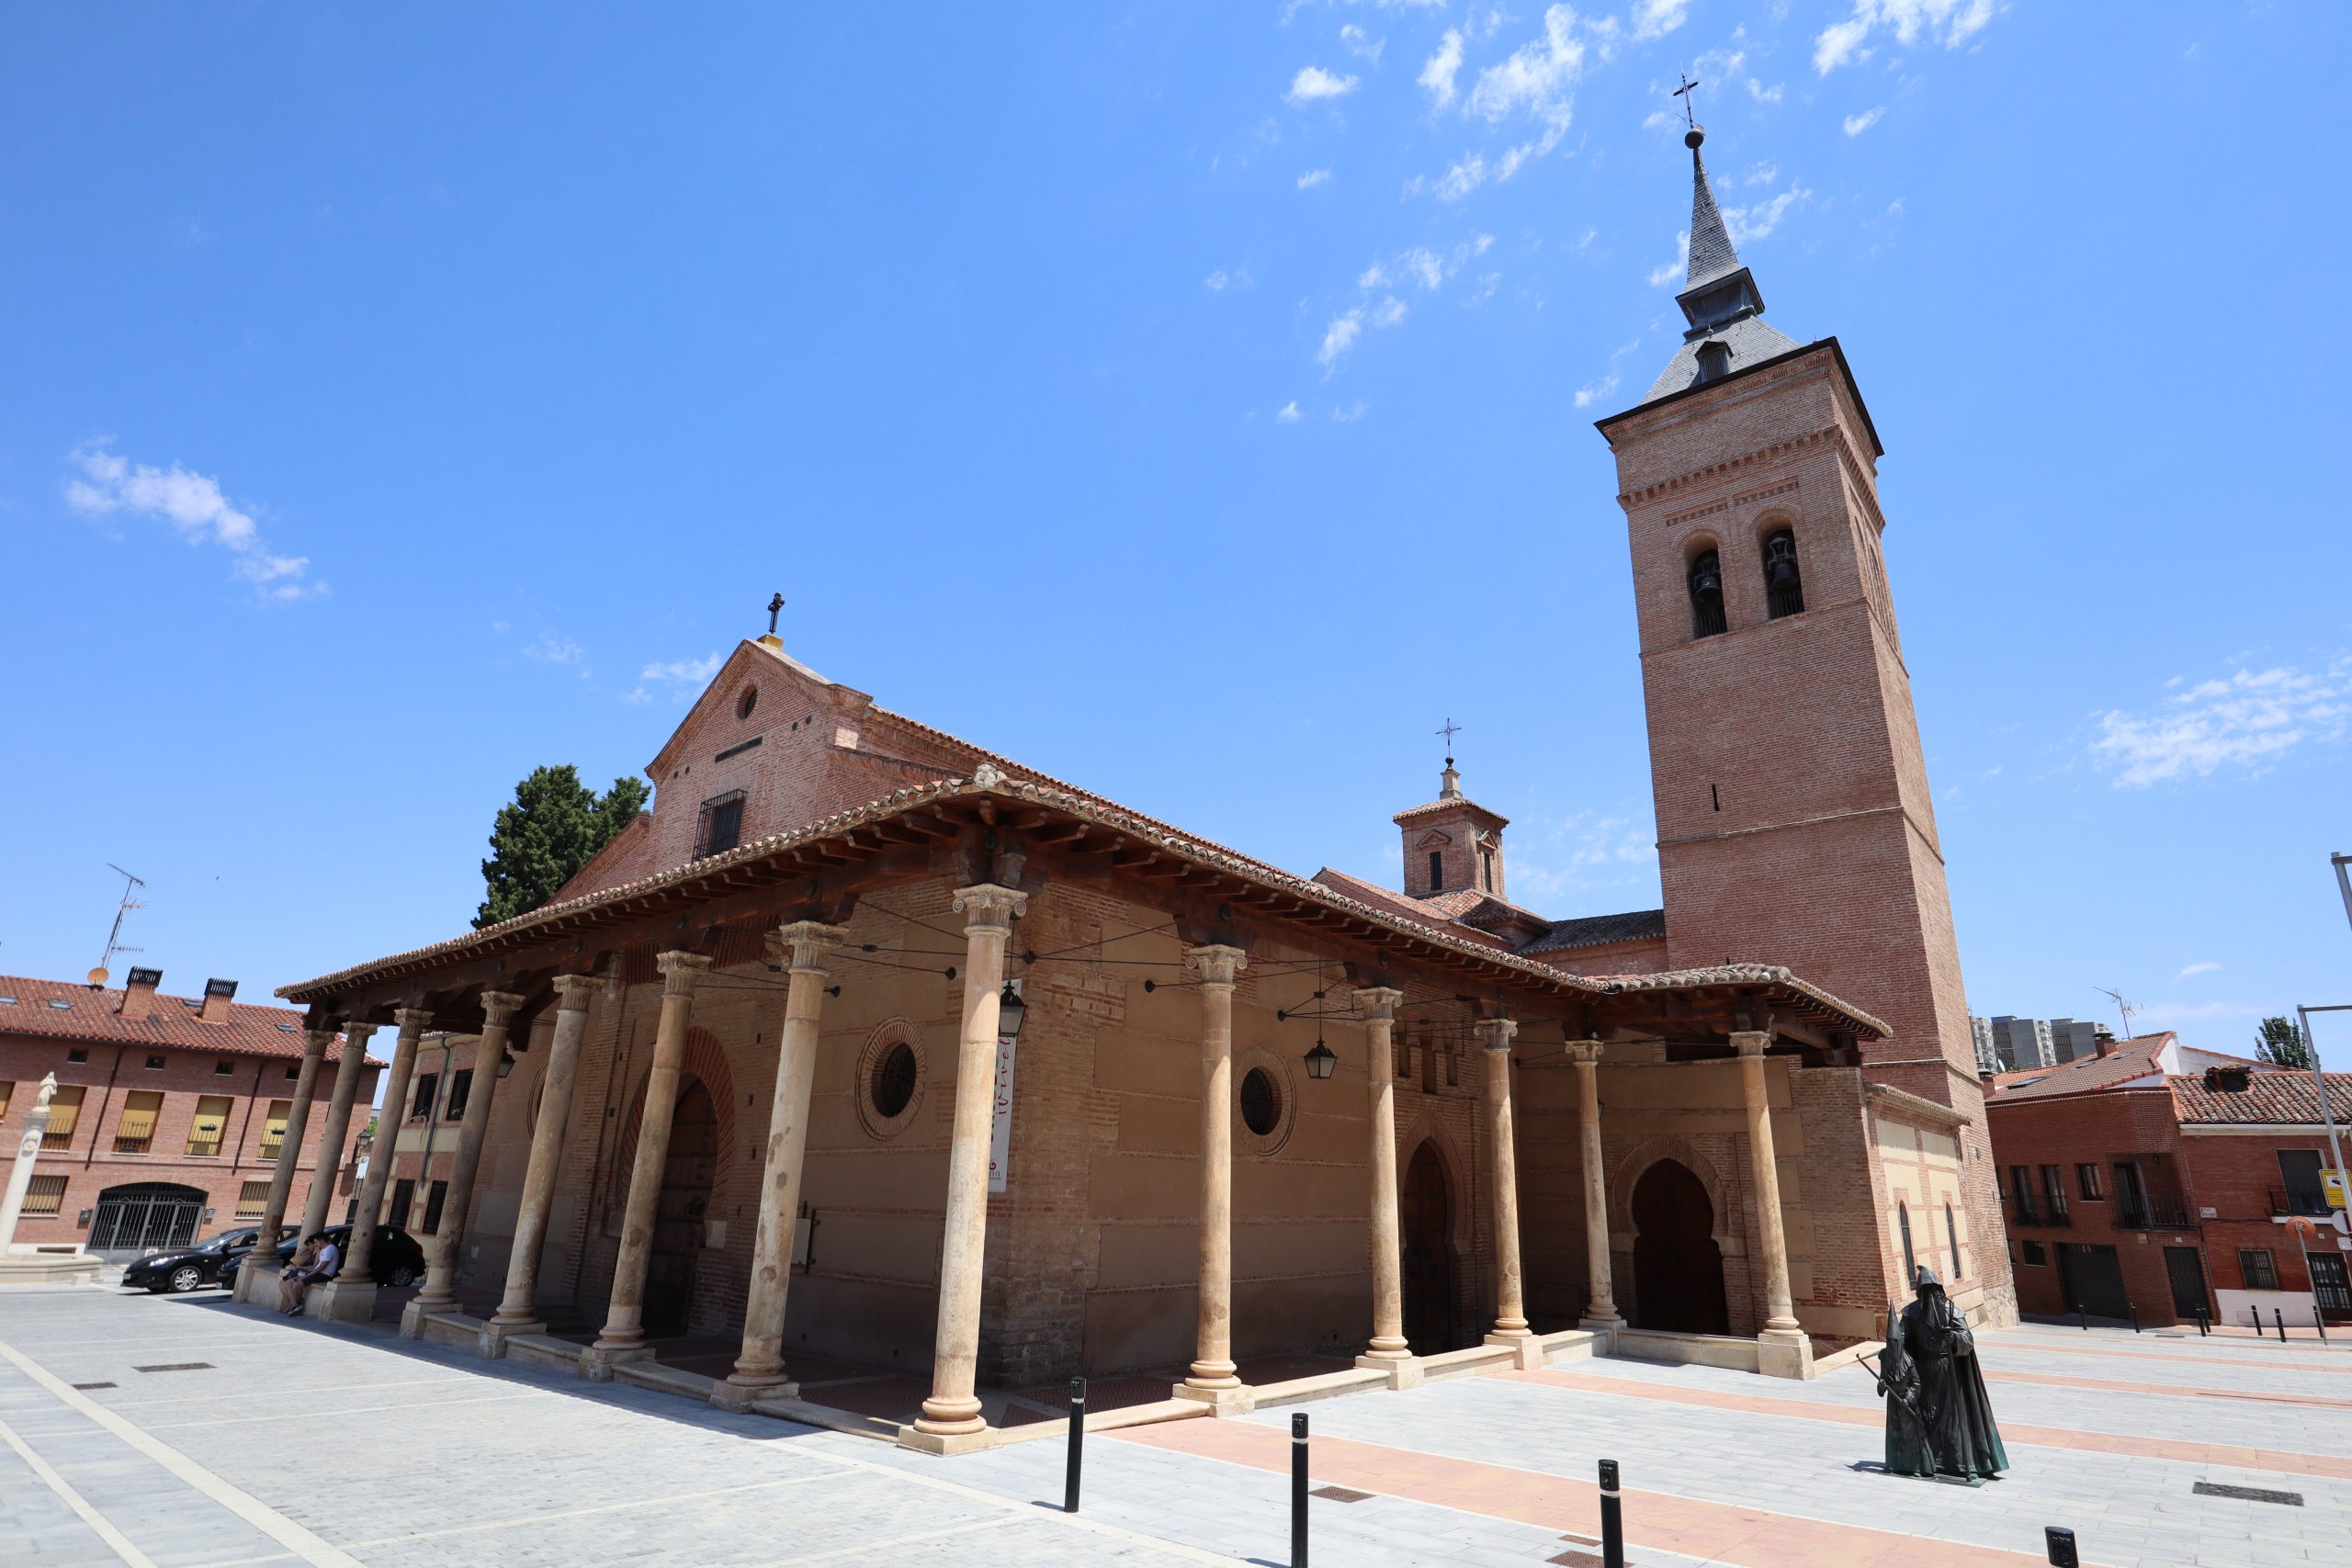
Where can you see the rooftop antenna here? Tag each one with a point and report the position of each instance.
(2124, 1007)
(98, 975)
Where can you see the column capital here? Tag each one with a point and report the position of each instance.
(1379, 1001)
(575, 992)
(498, 1007)
(680, 971)
(989, 904)
(412, 1021)
(1499, 1033)
(808, 940)
(316, 1040)
(1585, 1052)
(360, 1033)
(1751, 1041)
(1216, 965)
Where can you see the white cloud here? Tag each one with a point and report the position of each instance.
(549, 648)
(2246, 720)
(1361, 44)
(1746, 223)
(1858, 123)
(1664, 274)
(636, 696)
(1313, 177)
(1462, 178)
(1388, 312)
(1439, 71)
(1422, 267)
(1764, 94)
(1339, 337)
(1487, 283)
(1314, 84)
(1538, 78)
(686, 678)
(1220, 280)
(1589, 395)
(1350, 414)
(1949, 22)
(1761, 174)
(2207, 967)
(1287, 413)
(1656, 19)
(1582, 853)
(192, 504)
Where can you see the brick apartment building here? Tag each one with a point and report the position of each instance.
(2155, 1179)
(169, 1110)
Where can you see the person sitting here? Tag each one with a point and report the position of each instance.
(296, 1274)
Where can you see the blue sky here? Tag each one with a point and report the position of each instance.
(1192, 401)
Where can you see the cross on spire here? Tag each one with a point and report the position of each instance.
(1683, 91)
(1449, 731)
(775, 606)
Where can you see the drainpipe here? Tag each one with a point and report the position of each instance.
(237, 1160)
(116, 1072)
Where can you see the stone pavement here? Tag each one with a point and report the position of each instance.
(207, 1434)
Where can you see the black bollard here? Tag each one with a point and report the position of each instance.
(1612, 1518)
(1298, 1491)
(2279, 1318)
(2204, 1321)
(2061, 1541)
(2135, 1315)
(2317, 1323)
(1076, 1445)
(2083, 1316)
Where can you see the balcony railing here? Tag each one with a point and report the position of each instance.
(2311, 1201)
(2052, 1216)
(2150, 1214)
(131, 1145)
(269, 1149)
(53, 1139)
(200, 1146)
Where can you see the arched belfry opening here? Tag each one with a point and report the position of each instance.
(1706, 583)
(1678, 1267)
(1783, 585)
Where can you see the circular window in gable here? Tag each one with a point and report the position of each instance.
(747, 702)
(887, 1092)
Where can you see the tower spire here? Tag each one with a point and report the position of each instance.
(1711, 254)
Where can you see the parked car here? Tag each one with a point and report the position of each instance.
(398, 1258)
(185, 1268)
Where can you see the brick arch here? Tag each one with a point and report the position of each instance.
(1730, 1236)
(705, 1060)
(1471, 1285)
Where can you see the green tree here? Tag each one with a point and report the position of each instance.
(2280, 1042)
(547, 833)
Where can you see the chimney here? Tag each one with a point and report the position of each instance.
(218, 994)
(139, 993)
(2103, 1043)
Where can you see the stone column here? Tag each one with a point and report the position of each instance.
(412, 1023)
(623, 1338)
(758, 1368)
(20, 1173)
(1511, 1306)
(1600, 1305)
(440, 1293)
(518, 1309)
(953, 1412)
(331, 1138)
(1389, 1350)
(1212, 1377)
(257, 1275)
(1784, 1349)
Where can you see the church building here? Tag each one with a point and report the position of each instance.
(871, 1059)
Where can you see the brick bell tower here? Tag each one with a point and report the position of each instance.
(1795, 822)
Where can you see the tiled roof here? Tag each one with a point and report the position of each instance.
(2133, 1058)
(1596, 931)
(2285, 1099)
(1459, 803)
(172, 1023)
(990, 781)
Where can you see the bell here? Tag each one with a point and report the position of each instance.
(1782, 571)
(1706, 583)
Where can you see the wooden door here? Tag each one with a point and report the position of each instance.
(1677, 1268)
(678, 1218)
(1426, 1221)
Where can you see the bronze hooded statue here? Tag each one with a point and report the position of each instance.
(1939, 1420)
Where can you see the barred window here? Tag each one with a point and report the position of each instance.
(65, 1115)
(252, 1199)
(273, 1128)
(722, 827)
(2261, 1272)
(211, 1124)
(135, 1130)
(46, 1195)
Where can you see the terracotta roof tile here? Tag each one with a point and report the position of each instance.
(59, 1010)
(2283, 1099)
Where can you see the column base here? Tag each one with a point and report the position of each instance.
(739, 1396)
(1404, 1371)
(257, 1283)
(499, 1329)
(922, 1441)
(597, 1361)
(1527, 1349)
(341, 1301)
(1239, 1400)
(1785, 1353)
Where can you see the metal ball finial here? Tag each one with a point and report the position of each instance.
(1692, 137)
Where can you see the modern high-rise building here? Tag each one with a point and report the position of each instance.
(2005, 1044)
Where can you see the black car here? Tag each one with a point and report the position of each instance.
(398, 1258)
(182, 1269)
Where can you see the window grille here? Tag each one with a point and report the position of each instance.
(722, 827)
(45, 1195)
(252, 1199)
(2260, 1270)
(211, 1124)
(136, 1129)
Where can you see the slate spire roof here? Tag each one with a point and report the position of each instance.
(1719, 298)
(1710, 253)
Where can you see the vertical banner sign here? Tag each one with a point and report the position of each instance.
(1000, 1124)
